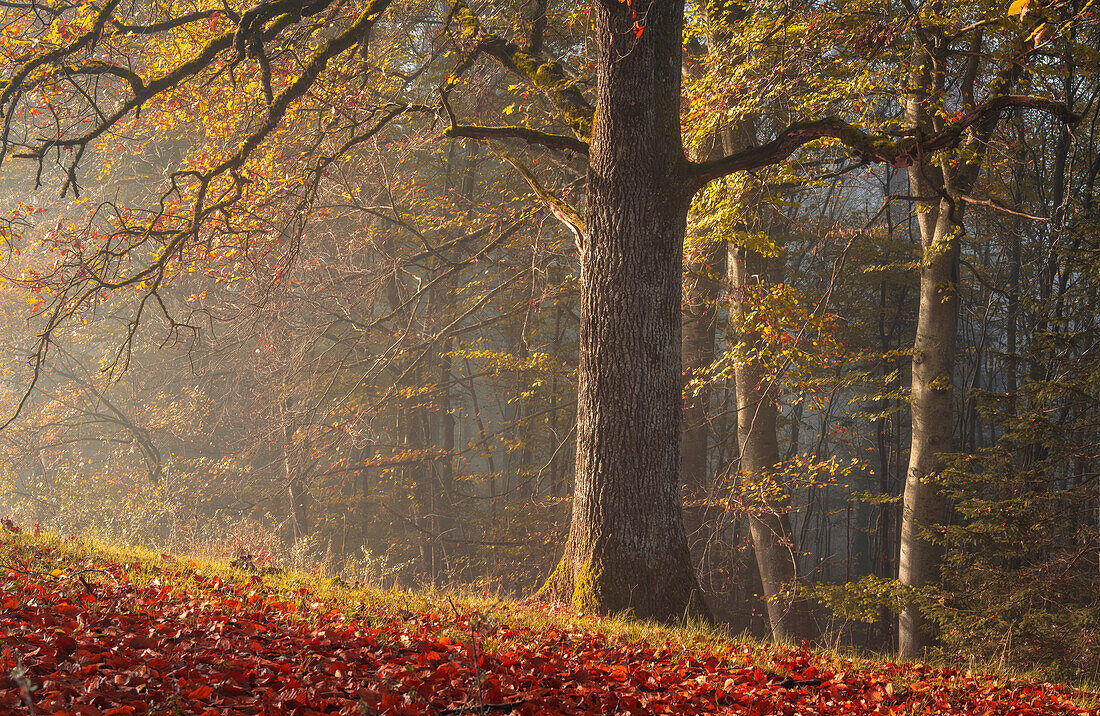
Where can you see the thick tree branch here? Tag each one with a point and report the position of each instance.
(253, 20)
(546, 75)
(876, 148)
(169, 24)
(94, 67)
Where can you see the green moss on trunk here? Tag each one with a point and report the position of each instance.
(609, 587)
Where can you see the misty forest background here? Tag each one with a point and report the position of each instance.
(373, 375)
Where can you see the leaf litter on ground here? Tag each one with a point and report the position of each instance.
(91, 636)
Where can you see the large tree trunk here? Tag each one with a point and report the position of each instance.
(626, 548)
(757, 413)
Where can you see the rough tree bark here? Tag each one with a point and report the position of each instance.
(626, 548)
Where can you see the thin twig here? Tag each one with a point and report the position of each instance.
(26, 688)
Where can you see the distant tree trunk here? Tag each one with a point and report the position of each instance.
(1015, 263)
(705, 265)
(887, 437)
(418, 436)
(293, 458)
(522, 470)
(444, 437)
(431, 420)
(431, 433)
(757, 412)
(704, 272)
(626, 548)
(561, 421)
(435, 486)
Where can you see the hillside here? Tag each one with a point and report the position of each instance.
(88, 631)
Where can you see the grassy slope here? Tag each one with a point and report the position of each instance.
(91, 629)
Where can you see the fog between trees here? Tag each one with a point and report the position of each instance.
(782, 316)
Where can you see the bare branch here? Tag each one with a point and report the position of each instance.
(561, 209)
(13, 87)
(531, 136)
(991, 204)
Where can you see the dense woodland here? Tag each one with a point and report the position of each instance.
(782, 314)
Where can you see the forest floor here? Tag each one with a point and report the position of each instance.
(91, 630)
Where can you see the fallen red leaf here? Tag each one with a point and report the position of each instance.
(220, 647)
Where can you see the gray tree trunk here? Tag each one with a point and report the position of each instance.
(931, 401)
(931, 396)
(940, 220)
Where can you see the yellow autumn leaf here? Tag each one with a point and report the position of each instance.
(1038, 34)
(1019, 7)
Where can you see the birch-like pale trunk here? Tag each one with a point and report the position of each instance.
(940, 221)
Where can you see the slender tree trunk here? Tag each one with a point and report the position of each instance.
(1015, 263)
(561, 425)
(932, 407)
(940, 220)
(757, 413)
(626, 548)
(292, 467)
(705, 265)
(881, 561)
(522, 469)
(931, 397)
(418, 434)
(442, 422)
